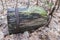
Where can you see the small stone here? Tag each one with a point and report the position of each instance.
(1, 35)
(26, 33)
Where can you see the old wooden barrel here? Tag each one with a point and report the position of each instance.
(26, 22)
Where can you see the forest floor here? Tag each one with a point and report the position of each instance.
(43, 33)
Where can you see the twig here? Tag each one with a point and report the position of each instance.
(3, 7)
(16, 14)
(51, 13)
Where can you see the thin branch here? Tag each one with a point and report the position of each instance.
(58, 4)
(28, 3)
(53, 9)
(3, 7)
(16, 13)
(6, 3)
(51, 13)
(37, 3)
